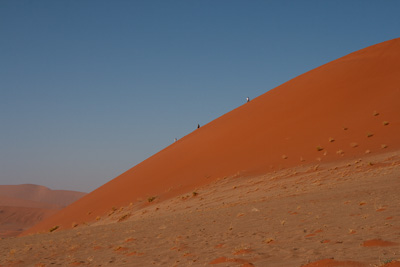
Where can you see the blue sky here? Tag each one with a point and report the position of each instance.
(88, 89)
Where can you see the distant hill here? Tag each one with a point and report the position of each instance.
(22, 206)
(38, 193)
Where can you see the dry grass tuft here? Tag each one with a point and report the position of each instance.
(354, 145)
(124, 217)
(151, 199)
(113, 209)
(269, 240)
(319, 148)
(385, 123)
(52, 229)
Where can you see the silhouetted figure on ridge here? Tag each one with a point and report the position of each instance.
(247, 99)
(198, 126)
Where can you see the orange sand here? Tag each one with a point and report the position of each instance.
(263, 220)
(340, 110)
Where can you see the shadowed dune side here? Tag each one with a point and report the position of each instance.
(343, 109)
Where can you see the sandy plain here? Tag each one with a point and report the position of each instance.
(342, 213)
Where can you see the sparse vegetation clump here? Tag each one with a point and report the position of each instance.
(331, 139)
(370, 134)
(151, 199)
(269, 240)
(354, 145)
(52, 229)
(113, 209)
(387, 261)
(319, 148)
(195, 193)
(124, 217)
(385, 123)
(375, 113)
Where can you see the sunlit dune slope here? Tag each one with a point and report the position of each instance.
(342, 109)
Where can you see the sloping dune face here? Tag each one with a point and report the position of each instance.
(343, 109)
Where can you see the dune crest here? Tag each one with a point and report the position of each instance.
(341, 110)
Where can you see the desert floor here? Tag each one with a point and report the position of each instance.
(345, 213)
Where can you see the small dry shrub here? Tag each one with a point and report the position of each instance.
(52, 229)
(354, 145)
(124, 217)
(151, 199)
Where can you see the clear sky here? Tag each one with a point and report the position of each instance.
(89, 89)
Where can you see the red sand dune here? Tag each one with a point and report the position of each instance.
(339, 110)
